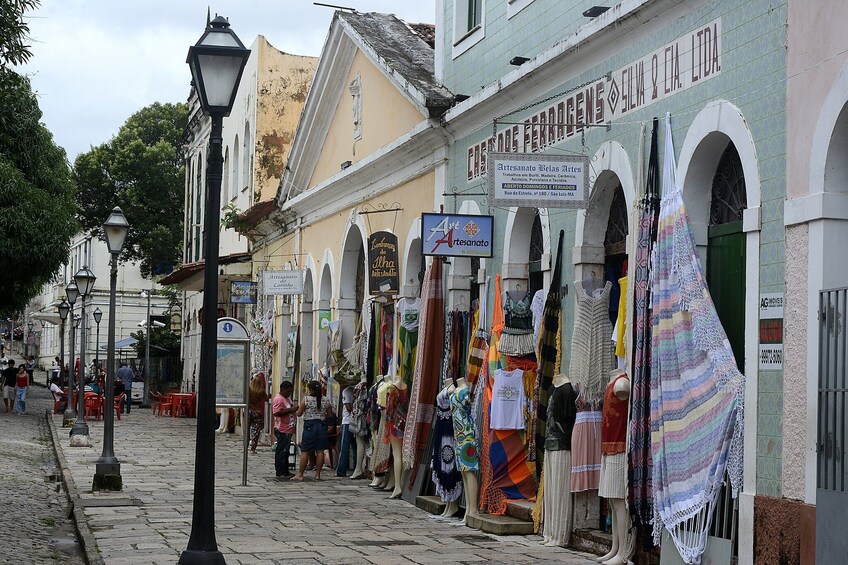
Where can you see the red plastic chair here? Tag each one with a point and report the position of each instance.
(161, 404)
(118, 402)
(93, 406)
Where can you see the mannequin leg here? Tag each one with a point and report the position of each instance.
(397, 447)
(620, 527)
(469, 484)
(451, 508)
(225, 420)
(358, 471)
(390, 480)
(613, 510)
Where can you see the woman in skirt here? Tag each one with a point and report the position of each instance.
(314, 438)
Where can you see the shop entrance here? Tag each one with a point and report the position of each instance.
(725, 272)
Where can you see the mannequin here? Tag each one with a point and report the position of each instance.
(358, 470)
(397, 444)
(466, 447)
(380, 481)
(443, 470)
(558, 499)
(614, 465)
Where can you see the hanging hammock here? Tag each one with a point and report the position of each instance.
(696, 388)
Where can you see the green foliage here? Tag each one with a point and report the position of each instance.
(14, 32)
(142, 170)
(159, 337)
(36, 197)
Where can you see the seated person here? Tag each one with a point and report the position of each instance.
(92, 386)
(58, 395)
(119, 388)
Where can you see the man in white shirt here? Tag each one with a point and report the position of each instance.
(346, 435)
(58, 395)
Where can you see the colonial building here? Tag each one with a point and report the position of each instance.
(257, 137)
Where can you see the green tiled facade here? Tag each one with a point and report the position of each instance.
(752, 78)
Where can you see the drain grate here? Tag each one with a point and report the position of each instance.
(383, 543)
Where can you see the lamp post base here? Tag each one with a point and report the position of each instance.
(80, 435)
(107, 476)
(198, 557)
(68, 419)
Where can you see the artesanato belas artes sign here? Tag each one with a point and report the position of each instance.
(456, 235)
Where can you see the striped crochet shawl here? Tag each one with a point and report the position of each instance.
(696, 388)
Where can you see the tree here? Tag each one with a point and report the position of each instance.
(14, 32)
(36, 195)
(142, 170)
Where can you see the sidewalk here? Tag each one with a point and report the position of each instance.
(333, 521)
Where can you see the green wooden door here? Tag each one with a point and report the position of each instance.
(726, 281)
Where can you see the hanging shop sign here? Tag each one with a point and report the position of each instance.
(277, 283)
(771, 331)
(383, 277)
(689, 60)
(542, 181)
(324, 319)
(243, 292)
(456, 235)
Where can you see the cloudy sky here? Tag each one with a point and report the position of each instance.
(95, 62)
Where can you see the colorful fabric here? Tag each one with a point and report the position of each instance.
(696, 388)
(621, 324)
(396, 408)
(639, 492)
(407, 349)
(549, 353)
(358, 417)
(443, 462)
(586, 449)
(614, 424)
(425, 381)
(380, 450)
(467, 452)
(511, 472)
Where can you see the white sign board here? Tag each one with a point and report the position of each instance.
(542, 181)
(771, 331)
(771, 306)
(275, 283)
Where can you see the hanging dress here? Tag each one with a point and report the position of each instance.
(446, 477)
(397, 403)
(467, 452)
(557, 498)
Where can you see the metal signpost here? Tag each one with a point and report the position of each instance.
(233, 370)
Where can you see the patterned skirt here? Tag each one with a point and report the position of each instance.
(586, 451)
(446, 477)
(382, 451)
(613, 482)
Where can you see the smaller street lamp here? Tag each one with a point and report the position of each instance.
(98, 315)
(71, 293)
(107, 473)
(29, 339)
(79, 433)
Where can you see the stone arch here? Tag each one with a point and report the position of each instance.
(325, 303)
(718, 124)
(351, 296)
(516, 254)
(308, 307)
(410, 283)
(613, 165)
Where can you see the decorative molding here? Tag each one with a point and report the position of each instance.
(816, 206)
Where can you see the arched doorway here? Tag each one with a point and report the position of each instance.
(324, 312)
(307, 322)
(527, 250)
(351, 284)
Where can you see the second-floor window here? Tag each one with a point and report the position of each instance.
(468, 24)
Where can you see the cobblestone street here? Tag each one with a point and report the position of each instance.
(334, 521)
(35, 510)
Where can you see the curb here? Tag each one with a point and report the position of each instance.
(86, 539)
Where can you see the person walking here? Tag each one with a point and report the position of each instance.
(256, 399)
(21, 384)
(9, 377)
(284, 427)
(125, 374)
(30, 368)
(314, 439)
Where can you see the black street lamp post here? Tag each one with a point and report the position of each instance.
(63, 309)
(98, 315)
(145, 397)
(79, 433)
(216, 61)
(72, 293)
(107, 473)
(27, 349)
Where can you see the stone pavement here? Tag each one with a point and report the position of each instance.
(36, 527)
(332, 521)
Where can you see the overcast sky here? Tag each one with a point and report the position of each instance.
(95, 62)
